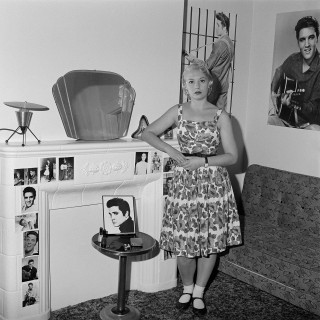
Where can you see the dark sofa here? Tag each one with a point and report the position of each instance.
(280, 215)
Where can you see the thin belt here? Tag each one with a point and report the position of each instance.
(198, 154)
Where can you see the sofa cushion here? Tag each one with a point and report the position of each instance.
(293, 246)
(303, 298)
(275, 268)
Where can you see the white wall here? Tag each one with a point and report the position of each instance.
(284, 148)
(41, 40)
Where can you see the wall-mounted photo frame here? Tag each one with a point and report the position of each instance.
(119, 214)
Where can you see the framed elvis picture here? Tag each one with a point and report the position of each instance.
(119, 214)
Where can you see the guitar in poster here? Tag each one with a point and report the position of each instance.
(289, 90)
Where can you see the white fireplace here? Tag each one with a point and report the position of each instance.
(69, 211)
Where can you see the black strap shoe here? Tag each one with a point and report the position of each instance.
(199, 312)
(184, 305)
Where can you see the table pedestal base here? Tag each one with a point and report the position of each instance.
(121, 311)
(130, 313)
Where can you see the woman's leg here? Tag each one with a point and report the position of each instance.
(187, 268)
(204, 269)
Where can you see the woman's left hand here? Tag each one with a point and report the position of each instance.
(192, 163)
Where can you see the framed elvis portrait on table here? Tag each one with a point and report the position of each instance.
(119, 214)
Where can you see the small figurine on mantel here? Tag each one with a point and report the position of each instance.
(143, 123)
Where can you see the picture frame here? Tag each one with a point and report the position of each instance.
(119, 214)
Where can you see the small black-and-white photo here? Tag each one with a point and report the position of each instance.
(168, 134)
(169, 164)
(66, 168)
(29, 199)
(141, 163)
(167, 184)
(32, 175)
(26, 222)
(31, 243)
(18, 177)
(47, 170)
(30, 269)
(30, 293)
(156, 162)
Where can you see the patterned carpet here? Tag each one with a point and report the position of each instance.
(227, 299)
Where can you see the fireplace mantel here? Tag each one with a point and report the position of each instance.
(99, 168)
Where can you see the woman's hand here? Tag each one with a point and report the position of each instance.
(177, 156)
(192, 163)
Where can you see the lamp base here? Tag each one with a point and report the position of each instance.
(23, 132)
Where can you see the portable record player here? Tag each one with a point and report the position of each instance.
(94, 105)
(24, 116)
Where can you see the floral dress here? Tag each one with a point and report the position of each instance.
(200, 216)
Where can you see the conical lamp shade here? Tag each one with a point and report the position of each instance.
(24, 118)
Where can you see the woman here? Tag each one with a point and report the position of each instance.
(200, 218)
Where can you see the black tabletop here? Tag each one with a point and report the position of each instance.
(115, 244)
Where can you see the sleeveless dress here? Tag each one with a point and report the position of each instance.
(200, 216)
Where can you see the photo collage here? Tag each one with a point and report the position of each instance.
(49, 170)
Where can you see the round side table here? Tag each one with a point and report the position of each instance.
(115, 248)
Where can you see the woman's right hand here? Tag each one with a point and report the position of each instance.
(177, 156)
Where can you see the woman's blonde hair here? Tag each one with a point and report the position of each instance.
(200, 67)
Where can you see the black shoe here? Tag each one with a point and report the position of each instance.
(196, 311)
(184, 305)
